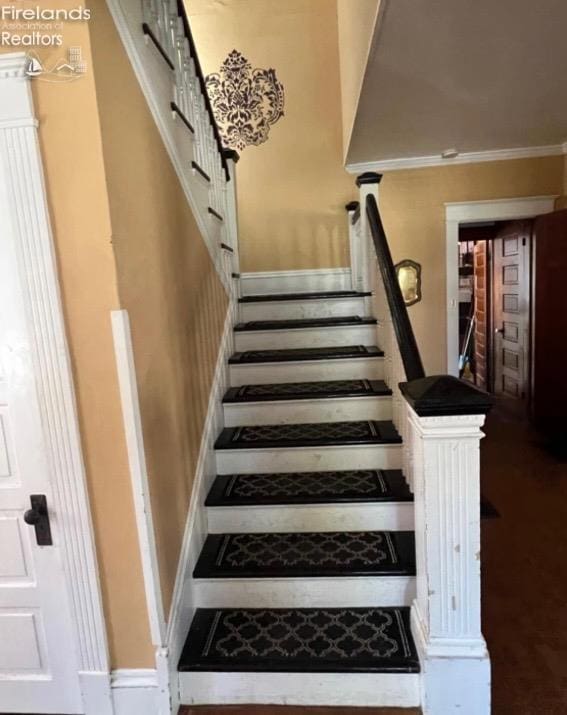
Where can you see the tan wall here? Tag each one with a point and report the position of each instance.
(291, 189)
(168, 284)
(71, 149)
(413, 211)
(356, 21)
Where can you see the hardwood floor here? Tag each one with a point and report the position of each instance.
(524, 565)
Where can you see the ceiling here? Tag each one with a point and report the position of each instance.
(475, 75)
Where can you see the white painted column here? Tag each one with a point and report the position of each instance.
(445, 475)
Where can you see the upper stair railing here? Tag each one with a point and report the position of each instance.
(439, 418)
(157, 36)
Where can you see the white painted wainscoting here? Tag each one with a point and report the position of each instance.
(149, 690)
(301, 281)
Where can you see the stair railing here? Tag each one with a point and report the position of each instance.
(159, 41)
(439, 418)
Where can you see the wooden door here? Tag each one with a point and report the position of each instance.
(38, 668)
(511, 310)
(549, 338)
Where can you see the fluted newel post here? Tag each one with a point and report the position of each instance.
(444, 417)
(367, 184)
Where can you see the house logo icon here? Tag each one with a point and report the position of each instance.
(64, 70)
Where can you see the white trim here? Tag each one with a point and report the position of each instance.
(394, 690)
(28, 213)
(138, 471)
(471, 157)
(466, 212)
(184, 599)
(135, 691)
(300, 281)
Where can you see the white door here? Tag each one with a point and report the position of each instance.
(38, 666)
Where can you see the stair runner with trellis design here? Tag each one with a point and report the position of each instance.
(309, 563)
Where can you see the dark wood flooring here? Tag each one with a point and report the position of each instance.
(524, 557)
(524, 566)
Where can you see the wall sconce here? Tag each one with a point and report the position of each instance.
(409, 279)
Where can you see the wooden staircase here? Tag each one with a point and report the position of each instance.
(307, 573)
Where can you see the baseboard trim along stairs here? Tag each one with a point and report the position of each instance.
(306, 575)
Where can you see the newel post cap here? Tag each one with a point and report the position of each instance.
(352, 206)
(369, 177)
(231, 154)
(445, 395)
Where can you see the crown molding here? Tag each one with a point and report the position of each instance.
(473, 157)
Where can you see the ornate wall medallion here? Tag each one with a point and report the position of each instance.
(245, 101)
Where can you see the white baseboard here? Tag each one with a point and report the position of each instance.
(135, 691)
(304, 281)
(184, 600)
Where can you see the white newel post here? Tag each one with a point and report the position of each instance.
(444, 417)
(367, 184)
(354, 242)
(232, 158)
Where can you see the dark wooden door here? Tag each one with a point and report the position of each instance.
(511, 310)
(481, 314)
(549, 338)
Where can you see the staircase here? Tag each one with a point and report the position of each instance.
(339, 542)
(308, 569)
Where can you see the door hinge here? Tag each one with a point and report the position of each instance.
(524, 241)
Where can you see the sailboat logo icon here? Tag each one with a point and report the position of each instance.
(34, 67)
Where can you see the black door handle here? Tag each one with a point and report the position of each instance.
(38, 517)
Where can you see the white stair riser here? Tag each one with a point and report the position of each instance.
(332, 689)
(294, 411)
(288, 310)
(306, 371)
(305, 592)
(384, 516)
(305, 337)
(309, 459)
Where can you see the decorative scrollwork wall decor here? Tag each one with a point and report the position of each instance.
(245, 101)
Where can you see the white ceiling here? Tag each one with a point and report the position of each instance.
(476, 75)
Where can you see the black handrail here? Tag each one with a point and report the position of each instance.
(201, 77)
(398, 310)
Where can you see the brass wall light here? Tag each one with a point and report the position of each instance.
(409, 279)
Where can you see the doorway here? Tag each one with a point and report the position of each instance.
(494, 308)
(475, 212)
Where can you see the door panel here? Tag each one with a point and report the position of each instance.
(511, 310)
(38, 669)
(549, 337)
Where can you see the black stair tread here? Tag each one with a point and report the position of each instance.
(317, 640)
(299, 323)
(356, 485)
(270, 297)
(299, 354)
(307, 390)
(313, 554)
(308, 434)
